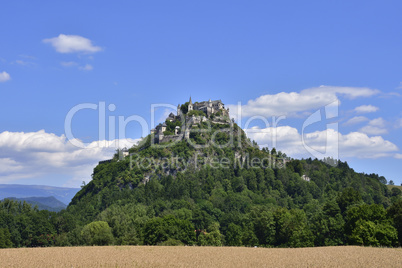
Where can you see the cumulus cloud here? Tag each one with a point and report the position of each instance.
(284, 103)
(366, 109)
(4, 76)
(355, 120)
(35, 154)
(322, 143)
(72, 44)
(375, 127)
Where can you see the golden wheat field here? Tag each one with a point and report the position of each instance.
(147, 256)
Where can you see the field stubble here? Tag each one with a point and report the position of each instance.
(149, 256)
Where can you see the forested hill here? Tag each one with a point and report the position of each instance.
(63, 194)
(237, 195)
(44, 203)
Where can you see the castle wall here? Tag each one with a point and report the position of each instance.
(168, 138)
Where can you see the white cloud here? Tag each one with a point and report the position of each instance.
(68, 63)
(4, 77)
(72, 44)
(398, 123)
(398, 156)
(27, 57)
(87, 67)
(378, 122)
(21, 62)
(356, 120)
(375, 127)
(328, 142)
(349, 92)
(8, 165)
(284, 103)
(372, 130)
(36, 154)
(25, 61)
(390, 95)
(366, 109)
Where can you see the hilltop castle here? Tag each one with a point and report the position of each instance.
(208, 107)
(209, 110)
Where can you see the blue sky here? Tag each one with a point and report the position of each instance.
(277, 58)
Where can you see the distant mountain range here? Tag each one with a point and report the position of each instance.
(19, 191)
(49, 203)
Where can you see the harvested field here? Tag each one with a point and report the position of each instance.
(147, 256)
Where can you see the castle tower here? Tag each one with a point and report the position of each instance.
(186, 134)
(190, 105)
(178, 110)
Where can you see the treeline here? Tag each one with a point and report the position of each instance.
(24, 226)
(272, 207)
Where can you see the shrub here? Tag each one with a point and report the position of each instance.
(196, 113)
(97, 233)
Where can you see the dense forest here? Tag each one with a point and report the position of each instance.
(181, 194)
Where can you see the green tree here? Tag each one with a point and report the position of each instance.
(369, 225)
(97, 233)
(396, 191)
(5, 238)
(211, 238)
(264, 225)
(395, 213)
(292, 229)
(184, 108)
(347, 197)
(234, 234)
(158, 230)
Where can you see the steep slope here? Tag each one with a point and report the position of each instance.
(230, 192)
